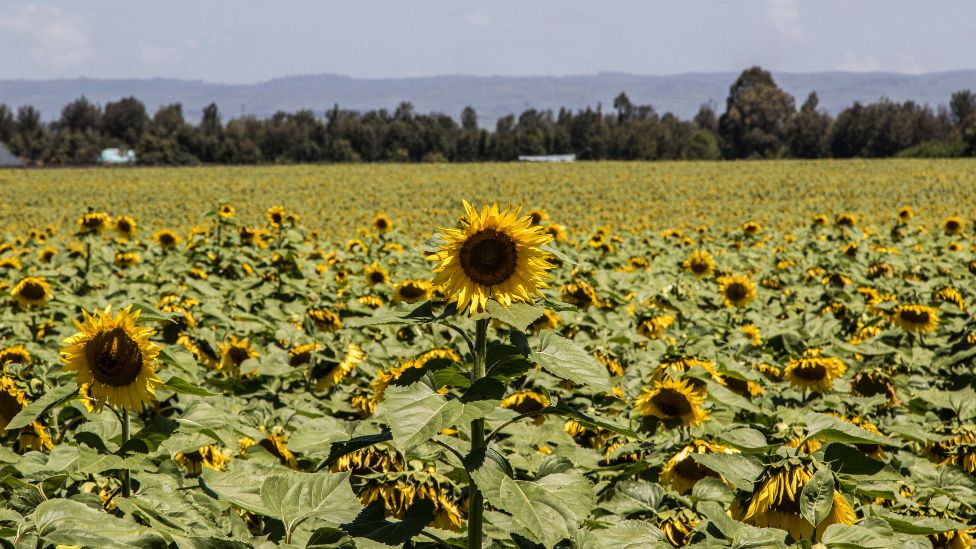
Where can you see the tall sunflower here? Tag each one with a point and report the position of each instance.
(674, 401)
(737, 290)
(32, 292)
(276, 216)
(114, 355)
(494, 254)
(915, 318)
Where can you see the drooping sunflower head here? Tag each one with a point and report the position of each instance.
(915, 318)
(225, 211)
(411, 291)
(208, 456)
(525, 402)
(814, 373)
(125, 225)
(737, 290)
(376, 274)
(579, 293)
(325, 320)
(675, 401)
(382, 223)
(494, 254)
(548, 321)
(276, 443)
(115, 357)
(93, 222)
(678, 525)
(682, 471)
(32, 292)
(276, 216)
(953, 225)
(700, 263)
(845, 219)
(166, 239)
(331, 374)
(301, 354)
(948, 294)
(654, 327)
(234, 352)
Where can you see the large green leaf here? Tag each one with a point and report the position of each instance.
(629, 534)
(517, 315)
(416, 413)
(67, 522)
(741, 470)
(42, 405)
(830, 428)
(869, 534)
(817, 497)
(549, 509)
(296, 497)
(565, 358)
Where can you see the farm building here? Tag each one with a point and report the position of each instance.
(7, 159)
(547, 158)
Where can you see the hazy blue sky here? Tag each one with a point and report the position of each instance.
(247, 41)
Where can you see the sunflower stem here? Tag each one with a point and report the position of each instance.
(476, 507)
(126, 487)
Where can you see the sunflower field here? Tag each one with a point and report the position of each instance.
(594, 356)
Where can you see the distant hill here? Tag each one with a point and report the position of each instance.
(491, 96)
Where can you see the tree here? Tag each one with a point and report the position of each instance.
(80, 116)
(757, 113)
(808, 132)
(962, 106)
(125, 120)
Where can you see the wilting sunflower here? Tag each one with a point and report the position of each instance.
(411, 291)
(32, 292)
(915, 318)
(225, 211)
(376, 274)
(737, 290)
(234, 352)
(579, 293)
(682, 471)
(382, 223)
(525, 402)
(953, 225)
(276, 444)
(328, 375)
(814, 373)
(776, 504)
(93, 222)
(494, 254)
(208, 456)
(114, 356)
(301, 354)
(674, 401)
(325, 320)
(948, 294)
(166, 239)
(700, 263)
(276, 216)
(654, 327)
(677, 526)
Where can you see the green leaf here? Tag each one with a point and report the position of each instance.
(343, 447)
(182, 386)
(405, 314)
(67, 522)
(859, 536)
(241, 485)
(517, 315)
(817, 497)
(847, 460)
(317, 435)
(371, 524)
(549, 509)
(593, 422)
(416, 413)
(830, 428)
(745, 439)
(42, 405)
(330, 538)
(148, 313)
(914, 525)
(564, 358)
(295, 497)
(628, 534)
(741, 470)
(179, 359)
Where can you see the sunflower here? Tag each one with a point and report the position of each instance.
(653, 328)
(869, 383)
(301, 354)
(845, 220)
(751, 228)
(18, 354)
(93, 222)
(682, 471)
(10, 263)
(332, 374)
(752, 332)
(234, 352)
(814, 373)
(700, 263)
(208, 456)
(677, 526)
(325, 320)
(675, 365)
(948, 294)
(276, 444)
(369, 461)
(776, 504)
(32, 292)
(411, 291)
(375, 274)
(225, 211)
(12, 400)
(674, 401)
(276, 216)
(114, 356)
(46, 254)
(737, 291)
(905, 213)
(953, 225)
(548, 321)
(612, 365)
(538, 216)
(579, 293)
(166, 238)
(493, 255)
(382, 223)
(126, 226)
(525, 402)
(557, 232)
(915, 318)
(34, 436)
(124, 260)
(371, 301)
(356, 245)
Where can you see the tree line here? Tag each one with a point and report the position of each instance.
(760, 120)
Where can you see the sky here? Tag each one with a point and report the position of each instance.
(245, 41)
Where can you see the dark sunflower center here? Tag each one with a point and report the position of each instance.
(9, 407)
(114, 357)
(124, 226)
(736, 291)
(32, 291)
(698, 266)
(376, 277)
(381, 224)
(810, 372)
(92, 222)
(489, 257)
(166, 239)
(411, 291)
(952, 226)
(238, 355)
(672, 403)
(276, 218)
(914, 317)
(536, 218)
(867, 385)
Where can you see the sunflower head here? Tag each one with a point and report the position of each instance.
(301, 354)
(915, 318)
(114, 356)
(225, 211)
(124, 260)
(382, 223)
(411, 291)
(12, 400)
(751, 228)
(276, 216)
(376, 274)
(125, 225)
(93, 222)
(32, 292)
(18, 354)
(699, 263)
(525, 402)
(845, 219)
(538, 216)
(46, 254)
(494, 254)
(234, 352)
(557, 232)
(953, 225)
(330, 374)
(325, 320)
(737, 290)
(675, 401)
(166, 239)
(548, 321)
(814, 373)
(905, 213)
(682, 471)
